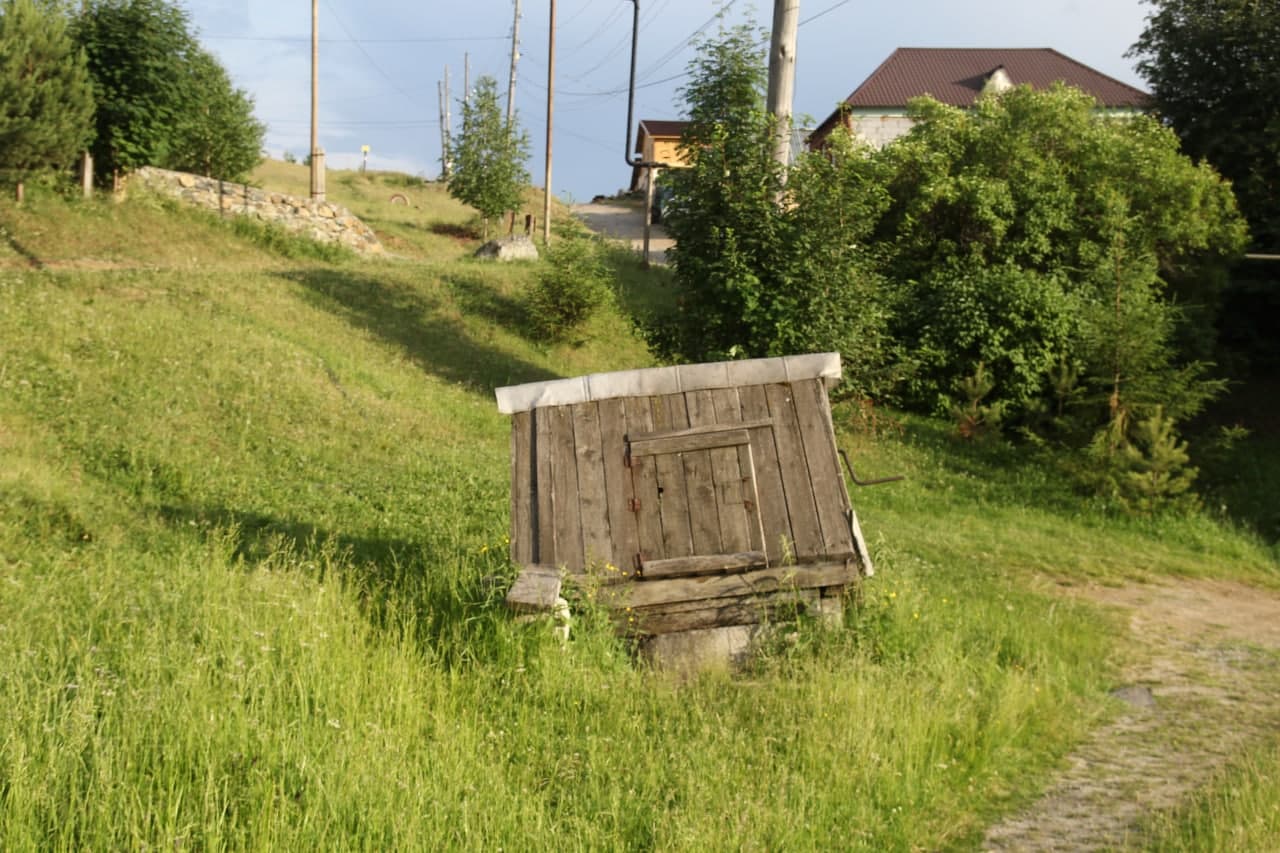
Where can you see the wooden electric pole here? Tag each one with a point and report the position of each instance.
(551, 97)
(466, 79)
(515, 54)
(448, 118)
(317, 156)
(444, 135)
(782, 75)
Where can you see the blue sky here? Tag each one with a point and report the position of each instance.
(380, 62)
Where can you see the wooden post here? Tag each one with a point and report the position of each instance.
(86, 174)
(317, 156)
(317, 175)
(515, 54)
(652, 173)
(551, 97)
(782, 75)
(19, 193)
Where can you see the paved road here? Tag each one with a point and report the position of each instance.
(625, 223)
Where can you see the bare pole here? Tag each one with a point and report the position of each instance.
(317, 158)
(448, 118)
(515, 54)
(551, 97)
(466, 79)
(444, 135)
(782, 75)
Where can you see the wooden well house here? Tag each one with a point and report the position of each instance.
(687, 497)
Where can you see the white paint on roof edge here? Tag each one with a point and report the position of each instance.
(667, 380)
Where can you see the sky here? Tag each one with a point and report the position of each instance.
(381, 62)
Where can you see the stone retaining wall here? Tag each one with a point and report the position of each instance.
(322, 221)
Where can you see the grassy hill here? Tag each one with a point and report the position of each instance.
(253, 505)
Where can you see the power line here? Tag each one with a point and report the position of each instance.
(825, 11)
(349, 39)
(366, 55)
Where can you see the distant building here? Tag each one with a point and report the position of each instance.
(877, 110)
(657, 141)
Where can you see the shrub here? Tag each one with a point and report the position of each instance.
(572, 284)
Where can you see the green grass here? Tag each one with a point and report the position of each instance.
(253, 511)
(1238, 809)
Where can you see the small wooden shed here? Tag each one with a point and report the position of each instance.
(687, 497)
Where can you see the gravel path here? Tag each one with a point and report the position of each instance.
(1204, 683)
(625, 223)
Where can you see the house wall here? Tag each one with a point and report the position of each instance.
(664, 150)
(879, 130)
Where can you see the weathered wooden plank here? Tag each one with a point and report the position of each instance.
(795, 472)
(597, 547)
(739, 610)
(677, 534)
(650, 593)
(726, 473)
(536, 589)
(544, 517)
(644, 479)
(619, 491)
(745, 528)
(768, 472)
(704, 564)
(701, 429)
(813, 414)
(566, 523)
(647, 446)
(523, 535)
(704, 508)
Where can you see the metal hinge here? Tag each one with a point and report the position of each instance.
(633, 504)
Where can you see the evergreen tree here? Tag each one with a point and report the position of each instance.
(487, 156)
(46, 97)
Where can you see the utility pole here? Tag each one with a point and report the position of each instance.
(551, 97)
(515, 54)
(466, 79)
(317, 156)
(444, 135)
(782, 75)
(448, 118)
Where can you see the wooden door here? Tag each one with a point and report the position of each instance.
(696, 502)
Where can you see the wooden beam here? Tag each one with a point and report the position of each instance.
(707, 564)
(688, 443)
(655, 592)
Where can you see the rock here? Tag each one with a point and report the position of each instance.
(186, 181)
(1136, 695)
(517, 248)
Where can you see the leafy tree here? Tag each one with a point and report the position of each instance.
(755, 277)
(138, 53)
(1214, 70)
(1039, 239)
(217, 134)
(487, 156)
(46, 98)
(722, 215)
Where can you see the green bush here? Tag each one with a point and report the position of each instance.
(573, 283)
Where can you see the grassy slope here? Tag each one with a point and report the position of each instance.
(250, 509)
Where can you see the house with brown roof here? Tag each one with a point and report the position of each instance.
(657, 141)
(877, 110)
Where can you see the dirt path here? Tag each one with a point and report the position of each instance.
(1203, 684)
(625, 223)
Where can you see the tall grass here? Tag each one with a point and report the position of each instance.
(252, 555)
